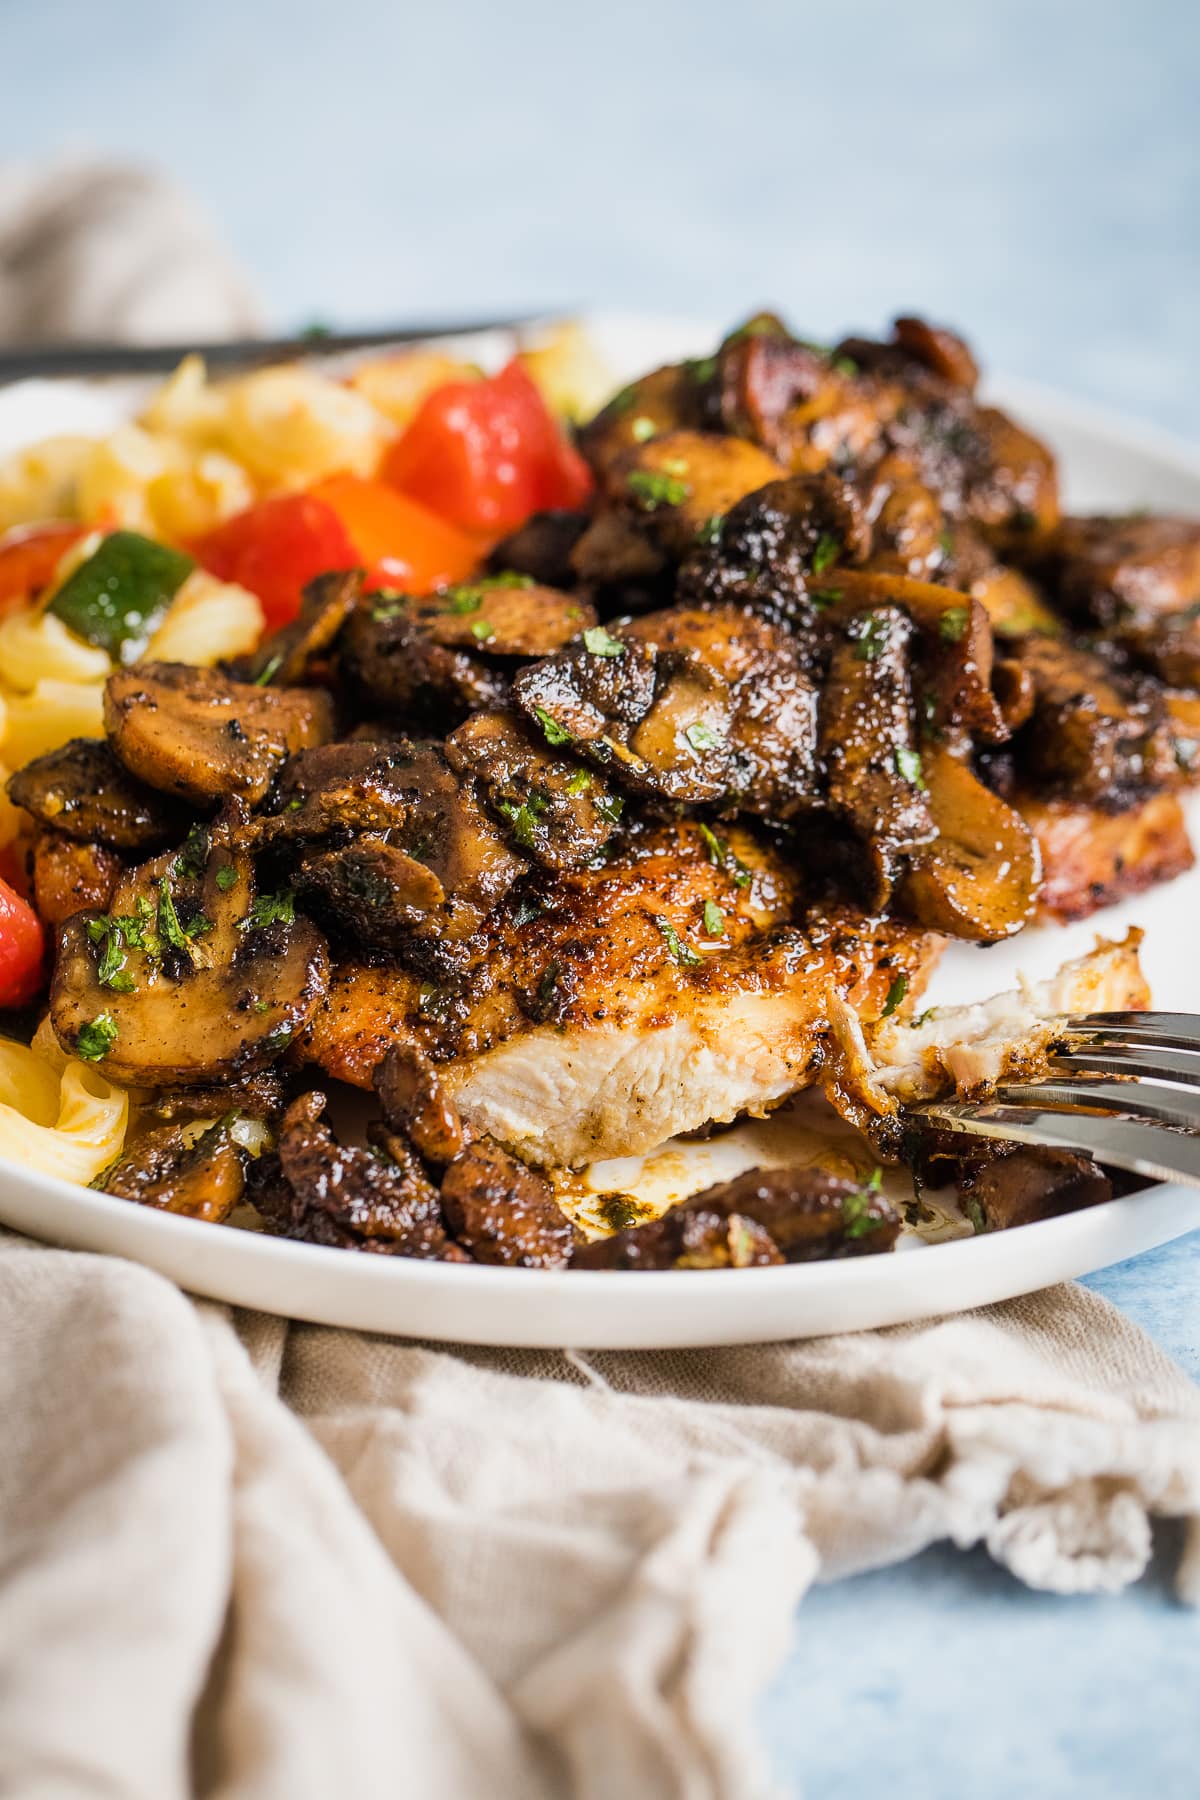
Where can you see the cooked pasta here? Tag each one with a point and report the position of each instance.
(291, 426)
(42, 482)
(35, 646)
(71, 1124)
(208, 620)
(47, 716)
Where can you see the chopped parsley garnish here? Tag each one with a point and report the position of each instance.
(388, 609)
(169, 929)
(97, 1038)
(870, 637)
(908, 764)
(483, 630)
(895, 995)
(270, 909)
(580, 782)
(599, 642)
(953, 624)
(642, 428)
(710, 531)
(609, 806)
(714, 919)
(226, 877)
(112, 960)
(845, 365)
(262, 1006)
(945, 544)
(192, 858)
(523, 818)
(722, 857)
(828, 549)
(652, 488)
(701, 368)
(823, 597)
(973, 1213)
(858, 1218)
(552, 730)
(703, 737)
(528, 907)
(269, 670)
(680, 952)
(928, 719)
(463, 600)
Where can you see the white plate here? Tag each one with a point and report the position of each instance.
(1106, 463)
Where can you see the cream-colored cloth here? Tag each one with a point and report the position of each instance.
(262, 1562)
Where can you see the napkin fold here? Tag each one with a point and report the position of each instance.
(262, 1561)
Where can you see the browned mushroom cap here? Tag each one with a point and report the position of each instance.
(939, 349)
(69, 877)
(554, 811)
(262, 1096)
(189, 978)
(804, 1214)
(1126, 570)
(393, 838)
(502, 615)
(659, 723)
(323, 1192)
(778, 543)
(1094, 734)
(417, 1106)
(283, 657)
(503, 1211)
(979, 878)
(82, 790)
(662, 498)
(868, 740)
(196, 733)
(542, 547)
(394, 669)
(174, 1170)
(665, 400)
(772, 726)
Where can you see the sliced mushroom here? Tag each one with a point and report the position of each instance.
(417, 1106)
(868, 742)
(84, 792)
(979, 877)
(394, 669)
(172, 1169)
(323, 1192)
(1094, 735)
(284, 656)
(69, 877)
(503, 1211)
(196, 733)
(1123, 571)
(668, 399)
(803, 1214)
(659, 723)
(939, 349)
(556, 812)
(542, 547)
(501, 615)
(189, 978)
(262, 1097)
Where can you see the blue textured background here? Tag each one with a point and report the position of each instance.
(1030, 168)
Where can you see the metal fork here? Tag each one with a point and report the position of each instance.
(1122, 1086)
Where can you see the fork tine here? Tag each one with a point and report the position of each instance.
(1136, 1099)
(1133, 1059)
(1122, 1143)
(1173, 1031)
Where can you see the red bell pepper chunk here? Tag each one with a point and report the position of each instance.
(400, 543)
(22, 950)
(29, 558)
(276, 548)
(486, 454)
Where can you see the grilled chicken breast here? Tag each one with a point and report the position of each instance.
(625, 1004)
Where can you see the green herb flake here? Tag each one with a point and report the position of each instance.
(227, 877)
(580, 782)
(870, 637)
(262, 1006)
(599, 642)
(908, 764)
(822, 598)
(270, 909)
(845, 365)
(952, 625)
(642, 428)
(389, 609)
(482, 630)
(191, 859)
(974, 1215)
(169, 929)
(523, 818)
(828, 549)
(702, 369)
(269, 670)
(652, 488)
(710, 531)
(895, 995)
(610, 807)
(97, 1038)
(703, 737)
(552, 730)
(714, 919)
(679, 952)
(859, 1218)
(946, 544)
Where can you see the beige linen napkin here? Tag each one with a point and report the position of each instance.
(269, 1562)
(245, 1559)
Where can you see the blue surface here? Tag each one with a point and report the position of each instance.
(1029, 169)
